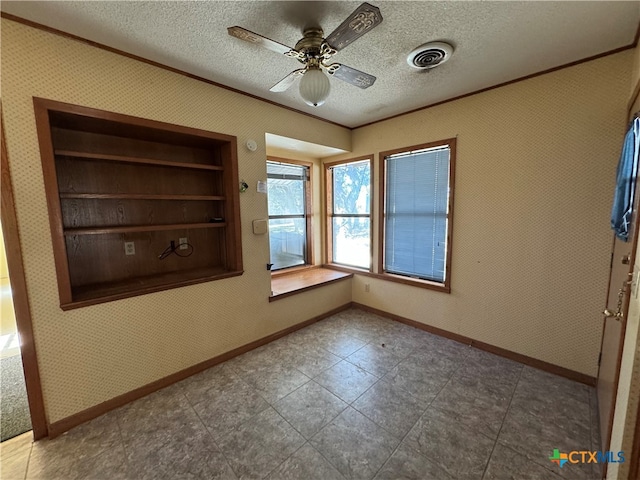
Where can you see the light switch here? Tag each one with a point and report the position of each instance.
(259, 227)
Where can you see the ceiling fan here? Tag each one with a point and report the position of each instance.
(314, 52)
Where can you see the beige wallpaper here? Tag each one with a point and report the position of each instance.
(92, 354)
(535, 172)
(635, 70)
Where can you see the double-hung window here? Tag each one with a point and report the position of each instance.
(417, 187)
(349, 212)
(289, 214)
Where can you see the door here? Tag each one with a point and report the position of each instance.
(615, 318)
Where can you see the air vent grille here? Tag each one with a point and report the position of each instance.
(430, 55)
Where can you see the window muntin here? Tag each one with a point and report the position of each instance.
(417, 211)
(288, 195)
(349, 226)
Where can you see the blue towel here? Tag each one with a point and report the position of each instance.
(622, 210)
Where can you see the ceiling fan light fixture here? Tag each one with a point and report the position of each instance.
(314, 87)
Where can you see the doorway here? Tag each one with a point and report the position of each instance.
(14, 406)
(621, 279)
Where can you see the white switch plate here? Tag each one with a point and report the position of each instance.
(183, 243)
(129, 248)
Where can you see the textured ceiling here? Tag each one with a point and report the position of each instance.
(494, 42)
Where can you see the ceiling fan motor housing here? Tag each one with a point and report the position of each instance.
(311, 42)
(430, 55)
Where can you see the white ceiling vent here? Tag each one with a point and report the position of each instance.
(430, 55)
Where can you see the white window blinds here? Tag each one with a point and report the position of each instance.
(417, 188)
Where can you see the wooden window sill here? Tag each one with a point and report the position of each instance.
(300, 281)
(290, 270)
(344, 268)
(389, 277)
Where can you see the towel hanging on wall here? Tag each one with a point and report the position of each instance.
(622, 210)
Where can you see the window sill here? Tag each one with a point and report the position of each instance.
(291, 283)
(344, 268)
(389, 277)
(290, 270)
(414, 282)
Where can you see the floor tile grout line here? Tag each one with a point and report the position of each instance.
(329, 423)
(118, 421)
(16, 452)
(301, 434)
(590, 423)
(590, 420)
(306, 441)
(293, 453)
(349, 404)
(290, 393)
(26, 470)
(546, 466)
(415, 423)
(124, 448)
(506, 412)
(386, 430)
(404, 438)
(593, 430)
(326, 459)
(208, 433)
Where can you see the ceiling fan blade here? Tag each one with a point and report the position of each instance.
(248, 36)
(351, 75)
(287, 81)
(363, 19)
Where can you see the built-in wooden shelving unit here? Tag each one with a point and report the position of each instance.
(112, 180)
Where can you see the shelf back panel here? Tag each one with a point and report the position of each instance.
(96, 176)
(111, 145)
(87, 213)
(101, 259)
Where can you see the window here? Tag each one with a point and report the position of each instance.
(417, 189)
(289, 214)
(349, 212)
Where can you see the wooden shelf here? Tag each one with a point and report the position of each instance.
(140, 228)
(105, 292)
(138, 160)
(140, 196)
(112, 179)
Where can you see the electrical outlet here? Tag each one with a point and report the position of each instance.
(182, 242)
(129, 248)
(366, 287)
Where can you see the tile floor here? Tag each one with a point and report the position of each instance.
(355, 396)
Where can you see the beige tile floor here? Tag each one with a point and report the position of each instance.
(353, 396)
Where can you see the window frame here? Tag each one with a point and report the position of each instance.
(308, 213)
(429, 284)
(328, 177)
